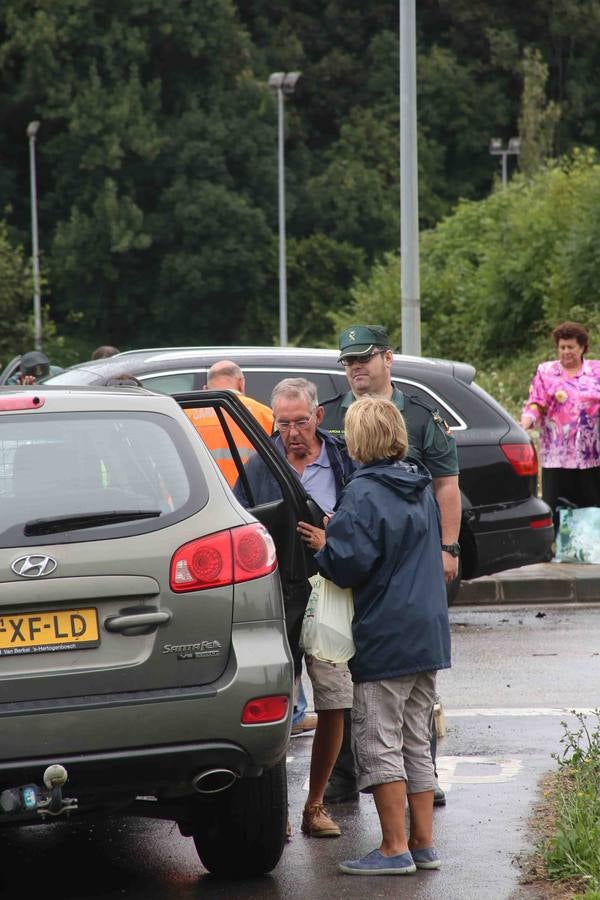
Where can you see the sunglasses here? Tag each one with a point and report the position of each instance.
(350, 360)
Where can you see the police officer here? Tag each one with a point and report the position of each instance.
(367, 357)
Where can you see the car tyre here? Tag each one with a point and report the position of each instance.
(243, 830)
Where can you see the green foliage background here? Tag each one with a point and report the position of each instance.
(499, 273)
(157, 171)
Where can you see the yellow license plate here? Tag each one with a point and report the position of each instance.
(43, 632)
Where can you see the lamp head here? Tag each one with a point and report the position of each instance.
(275, 82)
(283, 81)
(495, 145)
(514, 144)
(32, 129)
(289, 82)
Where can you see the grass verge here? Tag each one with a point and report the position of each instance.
(567, 819)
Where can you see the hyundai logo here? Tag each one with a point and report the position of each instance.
(34, 566)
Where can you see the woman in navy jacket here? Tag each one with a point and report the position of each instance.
(383, 541)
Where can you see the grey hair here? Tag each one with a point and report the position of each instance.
(296, 388)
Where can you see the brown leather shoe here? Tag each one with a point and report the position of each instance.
(308, 723)
(316, 822)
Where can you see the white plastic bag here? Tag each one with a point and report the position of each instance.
(578, 538)
(327, 624)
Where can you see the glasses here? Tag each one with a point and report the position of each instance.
(350, 360)
(299, 424)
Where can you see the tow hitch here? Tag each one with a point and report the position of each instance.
(46, 801)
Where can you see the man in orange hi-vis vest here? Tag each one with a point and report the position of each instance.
(227, 375)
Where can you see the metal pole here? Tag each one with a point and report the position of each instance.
(283, 328)
(37, 310)
(409, 197)
(504, 169)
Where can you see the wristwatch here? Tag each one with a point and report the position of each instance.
(452, 549)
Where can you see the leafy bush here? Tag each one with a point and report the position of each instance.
(499, 273)
(574, 849)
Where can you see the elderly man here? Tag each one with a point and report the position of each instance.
(366, 355)
(322, 465)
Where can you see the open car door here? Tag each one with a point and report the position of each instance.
(223, 413)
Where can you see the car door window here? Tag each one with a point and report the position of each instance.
(411, 389)
(280, 511)
(170, 383)
(228, 445)
(260, 383)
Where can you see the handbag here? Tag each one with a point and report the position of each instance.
(327, 625)
(578, 538)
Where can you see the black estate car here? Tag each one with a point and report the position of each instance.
(504, 522)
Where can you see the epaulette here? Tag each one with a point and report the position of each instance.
(432, 410)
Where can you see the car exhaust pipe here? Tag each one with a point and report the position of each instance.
(213, 781)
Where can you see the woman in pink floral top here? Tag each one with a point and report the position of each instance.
(564, 402)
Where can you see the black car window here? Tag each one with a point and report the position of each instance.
(415, 390)
(260, 383)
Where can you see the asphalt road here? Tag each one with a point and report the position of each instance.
(516, 674)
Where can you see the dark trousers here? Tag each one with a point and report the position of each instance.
(579, 487)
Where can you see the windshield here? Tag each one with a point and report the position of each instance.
(56, 467)
(76, 375)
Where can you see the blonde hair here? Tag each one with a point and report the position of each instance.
(375, 429)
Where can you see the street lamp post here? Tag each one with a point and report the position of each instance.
(281, 83)
(410, 287)
(32, 130)
(497, 149)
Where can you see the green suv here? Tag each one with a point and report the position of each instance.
(145, 663)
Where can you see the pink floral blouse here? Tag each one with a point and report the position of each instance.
(568, 415)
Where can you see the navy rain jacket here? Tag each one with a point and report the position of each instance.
(383, 541)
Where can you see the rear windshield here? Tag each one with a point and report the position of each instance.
(81, 376)
(86, 464)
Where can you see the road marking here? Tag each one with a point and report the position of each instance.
(455, 770)
(458, 770)
(502, 712)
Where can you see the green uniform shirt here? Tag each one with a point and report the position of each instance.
(429, 440)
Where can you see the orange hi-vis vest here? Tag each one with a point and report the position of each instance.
(207, 424)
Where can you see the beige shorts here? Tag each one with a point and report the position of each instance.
(331, 684)
(391, 727)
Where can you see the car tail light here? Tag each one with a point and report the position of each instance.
(541, 523)
(226, 557)
(265, 709)
(522, 458)
(253, 552)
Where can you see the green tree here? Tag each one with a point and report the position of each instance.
(16, 335)
(16, 308)
(153, 163)
(498, 273)
(538, 118)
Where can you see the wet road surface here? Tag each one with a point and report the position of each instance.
(516, 674)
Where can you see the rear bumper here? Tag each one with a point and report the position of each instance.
(155, 742)
(504, 537)
(156, 771)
